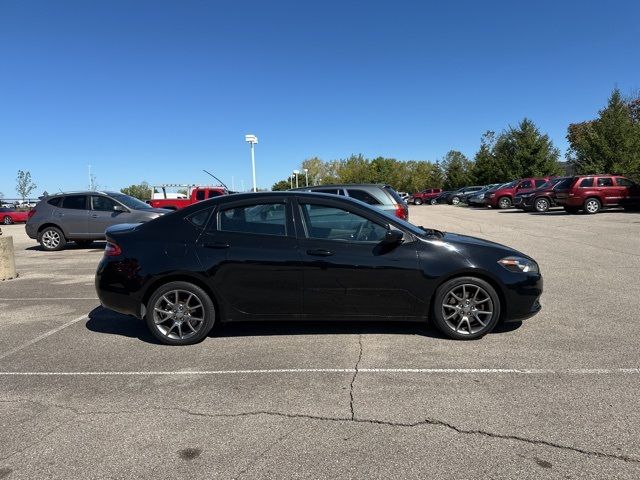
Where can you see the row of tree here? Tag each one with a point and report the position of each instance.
(607, 144)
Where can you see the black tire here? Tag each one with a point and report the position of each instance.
(52, 239)
(469, 283)
(455, 200)
(83, 243)
(417, 201)
(7, 220)
(433, 201)
(542, 204)
(504, 203)
(592, 206)
(163, 330)
(572, 210)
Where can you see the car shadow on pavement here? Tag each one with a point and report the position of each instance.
(102, 320)
(94, 247)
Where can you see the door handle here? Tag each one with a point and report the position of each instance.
(218, 245)
(320, 252)
(94, 216)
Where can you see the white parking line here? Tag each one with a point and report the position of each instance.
(429, 371)
(41, 337)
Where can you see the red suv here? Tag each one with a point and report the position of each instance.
(591, 193)
(425, 196)
(503, 197)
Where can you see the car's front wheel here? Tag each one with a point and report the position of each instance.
(7, 220)
(52, 239)
(180, 313)
(455, 200)
(434, 201)
(417, 201)
(466, 308)
(542, 204)
(504, 202)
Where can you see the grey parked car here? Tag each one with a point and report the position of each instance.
(380, 196)
(82, 217)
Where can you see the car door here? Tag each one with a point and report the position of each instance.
(249, 251)
(630, 191)
(103, 215)
(525, 186)
(73, 216)
(347, 271)
(608, 192)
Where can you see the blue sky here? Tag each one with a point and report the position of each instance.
(159, 90)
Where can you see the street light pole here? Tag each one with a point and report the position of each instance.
(306, 176)
(296, 172)
(252, 140)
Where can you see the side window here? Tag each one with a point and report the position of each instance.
(605, 182)
(199, 219)
(526, 184)
(586, 183)
(260, 219)
(214, 193)
(333, 191)
(624, 182)
(102, 204)
(200, 195)
(55, 201)
(75, 202)
(363, 196)
(331, 223)
(540, 182)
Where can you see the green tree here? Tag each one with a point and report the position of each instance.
(24, 184)
(141, 191)
(486, 167)
(611, 142)
(281, 185)
(525, 152)
(457, 170)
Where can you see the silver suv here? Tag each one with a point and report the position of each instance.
(380, 196)
(82, 217)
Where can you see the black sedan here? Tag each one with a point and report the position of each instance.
(308, 256)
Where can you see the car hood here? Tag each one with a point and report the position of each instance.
(468, 246)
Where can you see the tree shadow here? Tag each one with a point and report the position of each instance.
(102, 320)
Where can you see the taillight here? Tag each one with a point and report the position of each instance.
(112, 250)
(31, 213)
(401, 212)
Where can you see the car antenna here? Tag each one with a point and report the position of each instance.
(221, 182)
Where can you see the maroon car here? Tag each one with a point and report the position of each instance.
(504, 196)
(591, 193)
(11, 215)
(424, 196)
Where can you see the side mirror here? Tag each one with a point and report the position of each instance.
(393, 237)
(119, 208)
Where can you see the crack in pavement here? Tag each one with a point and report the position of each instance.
(353, 379)
(258, 457)
(321, 418)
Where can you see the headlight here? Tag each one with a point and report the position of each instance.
(519, 264)
(480, 197)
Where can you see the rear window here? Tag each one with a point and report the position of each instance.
(394, 194)
(586, 183)
(200, 195)
(526, 184)
(214, 193)
(75, 202)
(605, 182)
(540, 182)
(624, 182)
(332, 191)
(363, 196)
(55, 201)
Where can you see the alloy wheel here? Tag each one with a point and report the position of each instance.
(467, 309)
(178, 314)
(505, 202)
(542, 205)
(455, 200)
(7, 220)
(592, 206)
(51, 239)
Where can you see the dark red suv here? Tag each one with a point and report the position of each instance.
(503, 197)
(591, 193)
(424, 196)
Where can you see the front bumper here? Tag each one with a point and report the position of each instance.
(522, 298)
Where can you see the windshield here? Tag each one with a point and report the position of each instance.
(130, 202)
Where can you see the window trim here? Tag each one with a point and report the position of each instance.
(86, 202)
(214, 223)
(597, 182)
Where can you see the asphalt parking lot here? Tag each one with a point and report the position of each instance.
(86, 393)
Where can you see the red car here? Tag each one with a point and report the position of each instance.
(11, 215)
(503, 197)
(591, 193)
(196, 194)
(425, 196)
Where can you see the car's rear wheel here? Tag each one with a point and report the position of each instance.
(542, 204)
(180, 313)
(466, 308)
(434, 201)
(504, 202)
(455, 200)
(417, 201)
(7, 220)
(52, 239)
(592, 205)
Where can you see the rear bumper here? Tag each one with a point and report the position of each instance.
(117, 290)
(32, 231)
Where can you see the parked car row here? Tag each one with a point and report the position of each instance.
(588, 193)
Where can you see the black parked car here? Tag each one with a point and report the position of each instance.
(308, 256)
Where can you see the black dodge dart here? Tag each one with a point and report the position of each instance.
(308, 256)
